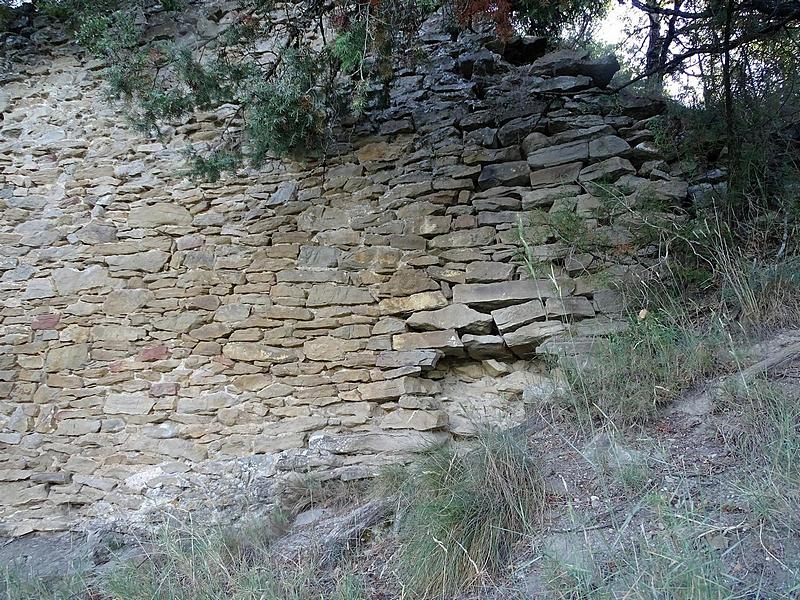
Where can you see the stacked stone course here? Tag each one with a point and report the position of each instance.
(164, 343)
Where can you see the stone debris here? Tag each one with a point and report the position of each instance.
(162, 342)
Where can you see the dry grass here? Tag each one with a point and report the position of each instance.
(463, 512)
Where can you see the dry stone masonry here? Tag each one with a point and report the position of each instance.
(171, 344)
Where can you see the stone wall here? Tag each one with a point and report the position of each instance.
(168, 344)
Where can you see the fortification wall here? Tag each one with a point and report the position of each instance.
(169, 344)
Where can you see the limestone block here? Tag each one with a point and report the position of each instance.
(523, 341)
(447, 341)
(608, 170)
(482, 347)
(206, 403)
(126, 301)
(556, 176)
(76, 427)
(426, 359)
(508, 173)
(558, 155)
(329, 348)
(328, 294)
(576, 306)
(128, 404)
(405, 282)
(412, 303)
(149, 261)
(161, 213)
(390, 389)
(65, 358)
(380, 259)
(256, 352)
(38, 288)
(479, 237)
(69, 281)
(513, 317)
(486, 272)
(497, 295)
(455, 316)
(421, 420)
(371, 442)
(607, 146)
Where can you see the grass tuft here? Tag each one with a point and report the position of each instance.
(638, 371)
(464, 511)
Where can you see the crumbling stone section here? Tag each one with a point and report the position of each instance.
(164, 343)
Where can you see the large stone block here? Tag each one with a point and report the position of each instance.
(523, 341)
(513, 317)
(66, 358)
(256, 352)
(498, 295)
(412, 303)
(128, 404)
(330, 348)
(391, 389)
(447, 341)
(421, 420)
(509, 173)
(426, 359)
(328, 294)
(455, 316)
(161, 213)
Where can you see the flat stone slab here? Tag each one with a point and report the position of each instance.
(523, 341)
(392, 359)
(392, 389)
(447, 341)
(513, 317)
(455, 316)
(498, 295)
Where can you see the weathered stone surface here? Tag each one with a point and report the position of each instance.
(559, 155)
(447, 341)
(421, 420)
(128, 404)
(455, 316)
(607, 146)
(413, 303)
(161, 213)
(255, 352)
(426, 359)
(576, 306)
(328, 294)
(556, 176)
(481, 347)
(607, 170)
(465, 239)
(485, 272)
(523, 341)
(379, 441)
(69, 281)
(510, 173)
(330, 348)
(66, 358)
(497, 295)
(390, 389)
(150, 261)
(513, 317)
(168, 342)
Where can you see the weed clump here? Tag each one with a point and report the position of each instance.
(462, 512)
(638, 371)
